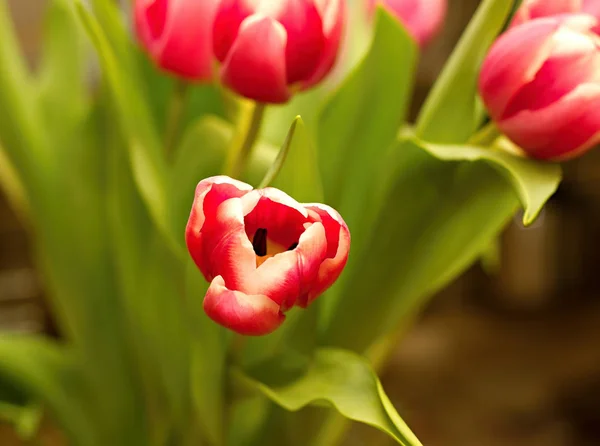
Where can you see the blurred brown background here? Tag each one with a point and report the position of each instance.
(507, 359)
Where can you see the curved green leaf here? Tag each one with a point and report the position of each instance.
(340, 378)
(361, 118)
(534, 181)
(452, 111)
(437, 218)
(148, 162)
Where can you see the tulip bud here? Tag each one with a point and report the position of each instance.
(422, 18)
(262, 252)
(541, 85)
(269, 48)
(178, 35)
(534, 9)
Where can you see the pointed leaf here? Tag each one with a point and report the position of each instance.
(452, 111)
(295, 170)
(340, 378)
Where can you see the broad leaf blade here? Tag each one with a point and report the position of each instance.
(438, 219)
(533, 181)
(362, 117)
(452, 112)
(342, 379)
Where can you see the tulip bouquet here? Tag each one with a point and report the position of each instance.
(234, 220)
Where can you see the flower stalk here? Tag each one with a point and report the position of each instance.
(175, 116)
(248, 129)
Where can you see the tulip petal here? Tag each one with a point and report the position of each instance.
(533, 9)
(255, 64)
(187, 43)
(209, 195)
(150, 17)
(305, 40)
(499, 80)
(560, 131)
(338, 248)
(574, 61)
(229, 17)
(333, 14)
(273, 209)
(247, 314)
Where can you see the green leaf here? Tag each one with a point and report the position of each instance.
(438, 218)
(45, 373)
(340, 378)
(62, 77)
(295, 170)
(209, 356)
(199, 156)
(452, 111)
(533, 181)
(21, 130)
(145, 151)
(359, 123)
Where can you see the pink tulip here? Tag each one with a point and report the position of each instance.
(422, 18)
(271, 48)
(262, 252)
(177, 34)
(533, 9)
(541, 85)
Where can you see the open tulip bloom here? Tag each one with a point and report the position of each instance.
(262, 252)
(194, 240)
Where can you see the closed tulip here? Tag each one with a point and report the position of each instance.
(262, 252)
(422, 18)
(177, 34)
(541, 85)
(270, 48)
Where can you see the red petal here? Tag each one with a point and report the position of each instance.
(246, 314)
(255, 64)
(560, 131)
(210, 193)
(229, 17)
(533, 9)
(273, 209)
(186, 47)
(338, 248)
(333, 14)
(305, 40)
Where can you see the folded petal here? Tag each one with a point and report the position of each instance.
(246, 314)
(338, 248)
(333, 14)
(258, 71)
(209, 195)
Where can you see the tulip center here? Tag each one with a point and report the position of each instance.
(265, 248)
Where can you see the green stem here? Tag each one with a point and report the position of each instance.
(175, 116)
(486, 135)
(247, 133)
